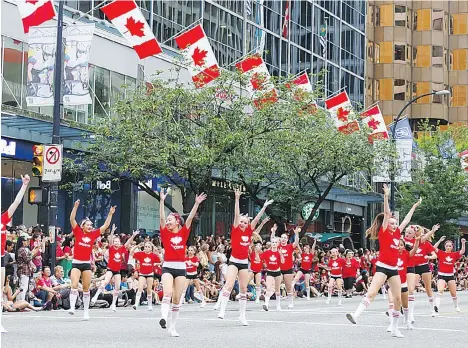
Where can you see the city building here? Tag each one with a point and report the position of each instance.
(235, 29)
(417, 47)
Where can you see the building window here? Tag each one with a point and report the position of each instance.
(386, 89)
(437, 19)
(408, 53)
(458, 24)
(400, 16)
(400, 53)
(458, 96)
(422, 56)
(370, 51)
(15, 62)
(437, 99)
(376, 90)
(369, 96)
(377, 52)
(420, 88)
(422, 20)
(437, 56)
(371, 15)
(384, 16)
(399, 89)
(459, 61)
(408, 18)
(101, 92)
(386, 52)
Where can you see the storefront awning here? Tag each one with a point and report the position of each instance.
(325, 237)
(350, 196)
(38, 129)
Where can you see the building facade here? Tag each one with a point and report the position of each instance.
(417, 47)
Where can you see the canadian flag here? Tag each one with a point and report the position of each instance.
(375, 121)
(259, 86)
(340, 107)
(301, 86)
(287, 17)
(35, 12)
(128, 19)
(204, 67)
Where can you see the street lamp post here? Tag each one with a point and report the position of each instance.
(392, 178)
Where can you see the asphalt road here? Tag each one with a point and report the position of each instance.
(310, 324)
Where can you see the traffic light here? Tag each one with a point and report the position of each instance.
(38, 160)
(38, 195)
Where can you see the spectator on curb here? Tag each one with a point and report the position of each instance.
(46, 293)
(26, 267)
(62, 287)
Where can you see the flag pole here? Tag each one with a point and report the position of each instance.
(289, 36)
(335, 93)
(326, 57)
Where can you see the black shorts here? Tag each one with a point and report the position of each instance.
(174, 272)
(446, 278)
(146, 276)
(82, 266)
(255, 273)
(114, 272)
(410, 270)
(388, 272)
(336, 278)
(304, 271)
(288, 271)
(191, 276)
(273, 273)
(239, 266)
(405, 289)
(421, 269)
(157, 276)
(3, 260)
(349, 283)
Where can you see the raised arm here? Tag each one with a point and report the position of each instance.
(198, 199)
(462, 250)
(256, 233)
(255, 221)
(162, 215)
(408, 216)
(415, 246)
(19, 196)
(273, 231)
(387, 211)
(436, 245)
(73, 214)
(314, 245)
(130, 240)
(108, 219)
(237, 194)
(296, 236)
(111, 236)
(429, 234)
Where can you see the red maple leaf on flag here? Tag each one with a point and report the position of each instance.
(342, 114)
(32, 2)
(373, 123)
(199, 56)
(257, 81)
(135, 27)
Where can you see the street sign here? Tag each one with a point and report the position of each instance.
(52, 168)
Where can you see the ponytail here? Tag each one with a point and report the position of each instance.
(373, 231)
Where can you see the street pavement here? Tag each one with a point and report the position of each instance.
(310, 324)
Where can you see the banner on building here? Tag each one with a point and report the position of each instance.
(41, 66)
(76, 64)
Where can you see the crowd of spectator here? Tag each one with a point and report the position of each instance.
(32, 285)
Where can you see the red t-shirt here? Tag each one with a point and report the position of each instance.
(287, 251)
(336, 267)
(272, 260)
(67, 250)
(5, 220)
(174, 244)
(84, 243)
(146, 262)
(240, 242)
(410, 242)
(364, 264)
(447, 261)
(59, 251)
(424, 249)
(403, 263)
(157, 268)
(116, 256)
(350, 268)
(189, 261)
(389, 247)
(307, 259)
(256, 266)
(44, 282)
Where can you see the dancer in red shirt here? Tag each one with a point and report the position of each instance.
(307, 258)
(174, 235)
(385, 229)
(335, 267)
(192, 262)
(273, 259)
(350, 269)
(256, 266)
(147, 261)
(85, 236)
(446, 271)
(287, 251)
(6, 218)
(241, 237)
(116, 257)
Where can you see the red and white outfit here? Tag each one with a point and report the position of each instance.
(423, 250)
(116, 257)
(256, 266)
(174, 250)
(272, 260)
(191, 268)
(447, 262)
(146, 261)
(336, 267)
(306, 262)
(403, 262)
(240, 242)
(389, 249)
(5, 220)
(287, 251)
(350, 269)
(84, 242)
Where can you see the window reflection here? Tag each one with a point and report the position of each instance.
(437, 56)
(437, 19)
(400, 53)
(400, 16)
(399, 89)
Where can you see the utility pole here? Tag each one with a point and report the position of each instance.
(53, 188)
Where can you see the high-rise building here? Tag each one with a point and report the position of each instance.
(414, 48)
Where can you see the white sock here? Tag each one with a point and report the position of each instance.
(330, 290)
(115, 296)
(384, 290)
(224, 300)
(431, 302)
(174, 315)
(308, 292)
(202, 296)
(96, 295)
(405, 313)
(165, 304)
(362, 306)
(396, 316)
(455, 301)
(242, 304)
(267, 297)
(278, 299)
(438, 298)
(149, 297)
(411, 306)
(339, 296)
(86, 299)
(182, 298)
(73, 298)
(258, 291)
(290, 298)
(137, 298)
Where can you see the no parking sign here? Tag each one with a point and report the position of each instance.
(53, 157)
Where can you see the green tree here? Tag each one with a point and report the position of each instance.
(439, 180)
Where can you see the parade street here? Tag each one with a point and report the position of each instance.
(310, 324)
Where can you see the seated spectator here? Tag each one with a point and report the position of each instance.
(10, 303)
(63, 288)
(46, 293)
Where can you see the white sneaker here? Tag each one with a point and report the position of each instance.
(237, 297)
(411, 320)
(389, 328)
(86, 316)
(457, 309)
(290, 306)
(202, 305)
(134, 306)
(2, 329)
(216, 307)
(328, 300)
(257, 300)
(308, 298)
(339, 303)
(433, 313)
(278, 308)
(243, 321)
(397, 334)
(351, 318)
(150, 308)
(409, 326)
(221, 315)
(113, 308)
(172, 332)
(71, 311)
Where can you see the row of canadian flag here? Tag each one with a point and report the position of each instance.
(126, 16)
